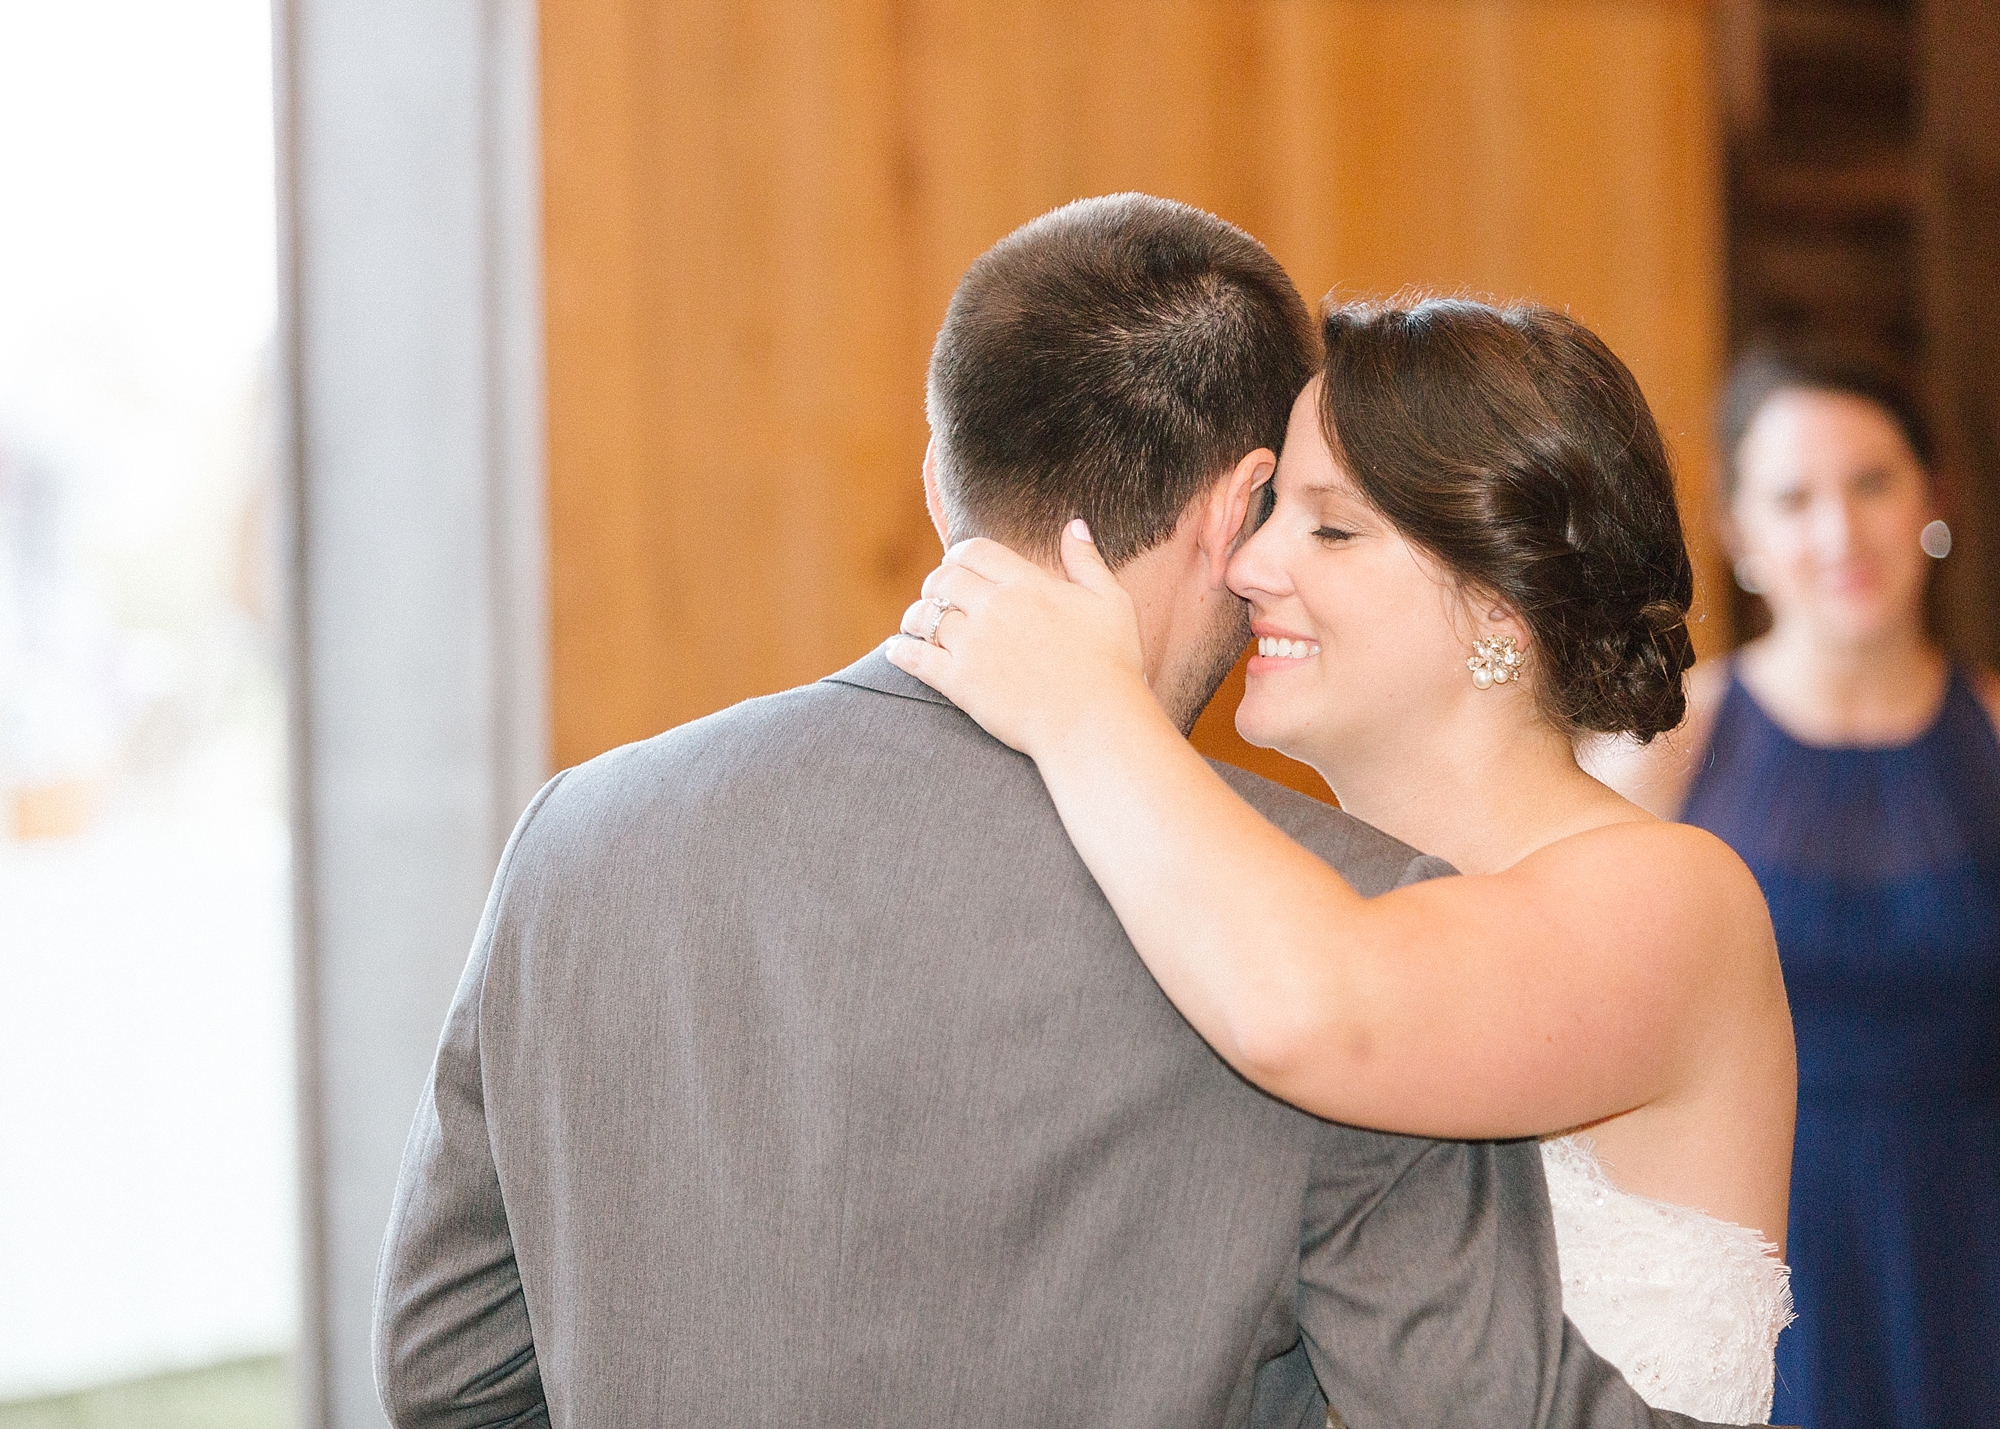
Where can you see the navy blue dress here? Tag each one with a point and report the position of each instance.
(1882, 867)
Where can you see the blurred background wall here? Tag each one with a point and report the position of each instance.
(756, 213)
(1863, 203)
(411, 334)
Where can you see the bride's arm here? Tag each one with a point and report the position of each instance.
(1439, 1009)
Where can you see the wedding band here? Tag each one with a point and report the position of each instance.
(940, 608)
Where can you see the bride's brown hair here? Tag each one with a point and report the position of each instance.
(1516, 448)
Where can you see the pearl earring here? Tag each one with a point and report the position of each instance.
(1745, 580)
(1496, 659)
(1936, 540)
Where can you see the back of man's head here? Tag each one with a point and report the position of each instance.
(1110, 360)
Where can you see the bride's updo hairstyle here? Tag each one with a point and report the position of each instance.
(1513, 446)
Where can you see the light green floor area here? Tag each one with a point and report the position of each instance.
(252, 1394)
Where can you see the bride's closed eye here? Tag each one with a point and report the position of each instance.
(1332, 535)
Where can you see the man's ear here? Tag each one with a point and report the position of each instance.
(933, 499)
(1224, 515)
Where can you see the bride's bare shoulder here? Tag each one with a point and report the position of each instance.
(1680, 859)
(1671, 892)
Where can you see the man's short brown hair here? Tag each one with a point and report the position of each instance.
(1109, 360)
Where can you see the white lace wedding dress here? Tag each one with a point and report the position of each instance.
(1687, 1306)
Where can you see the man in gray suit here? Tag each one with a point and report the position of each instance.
(801, 1075)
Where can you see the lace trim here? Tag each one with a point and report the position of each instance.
(1688, 1307)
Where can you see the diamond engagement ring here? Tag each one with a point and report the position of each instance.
(940, 608)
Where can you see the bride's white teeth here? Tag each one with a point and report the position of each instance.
(1274, 647)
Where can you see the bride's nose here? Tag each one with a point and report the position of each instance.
(1255, 570)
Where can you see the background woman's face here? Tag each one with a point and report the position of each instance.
(1830, 502)
(1370, 621)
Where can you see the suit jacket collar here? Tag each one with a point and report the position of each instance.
(874, 672)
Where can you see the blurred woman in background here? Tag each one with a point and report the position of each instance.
(1856, 770)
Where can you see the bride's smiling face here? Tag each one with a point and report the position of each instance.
(1362, 637)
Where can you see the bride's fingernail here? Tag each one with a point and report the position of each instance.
(1078, 529)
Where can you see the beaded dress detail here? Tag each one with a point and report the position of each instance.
(1686, 1306)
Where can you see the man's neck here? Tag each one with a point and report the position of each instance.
(1187, 621)
(1188, 627)
(1159, 618)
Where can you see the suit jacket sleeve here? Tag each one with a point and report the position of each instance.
(453, 1346)
(1429, 1295)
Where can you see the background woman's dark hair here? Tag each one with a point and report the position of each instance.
(1766, 370)
(1516, 448)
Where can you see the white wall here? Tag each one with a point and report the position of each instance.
(409, 198)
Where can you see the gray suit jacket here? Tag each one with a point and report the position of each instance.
(801, 1075)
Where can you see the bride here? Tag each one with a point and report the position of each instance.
(1470, 556)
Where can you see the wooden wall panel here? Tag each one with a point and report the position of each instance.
(1959, 149)
(756, 213)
